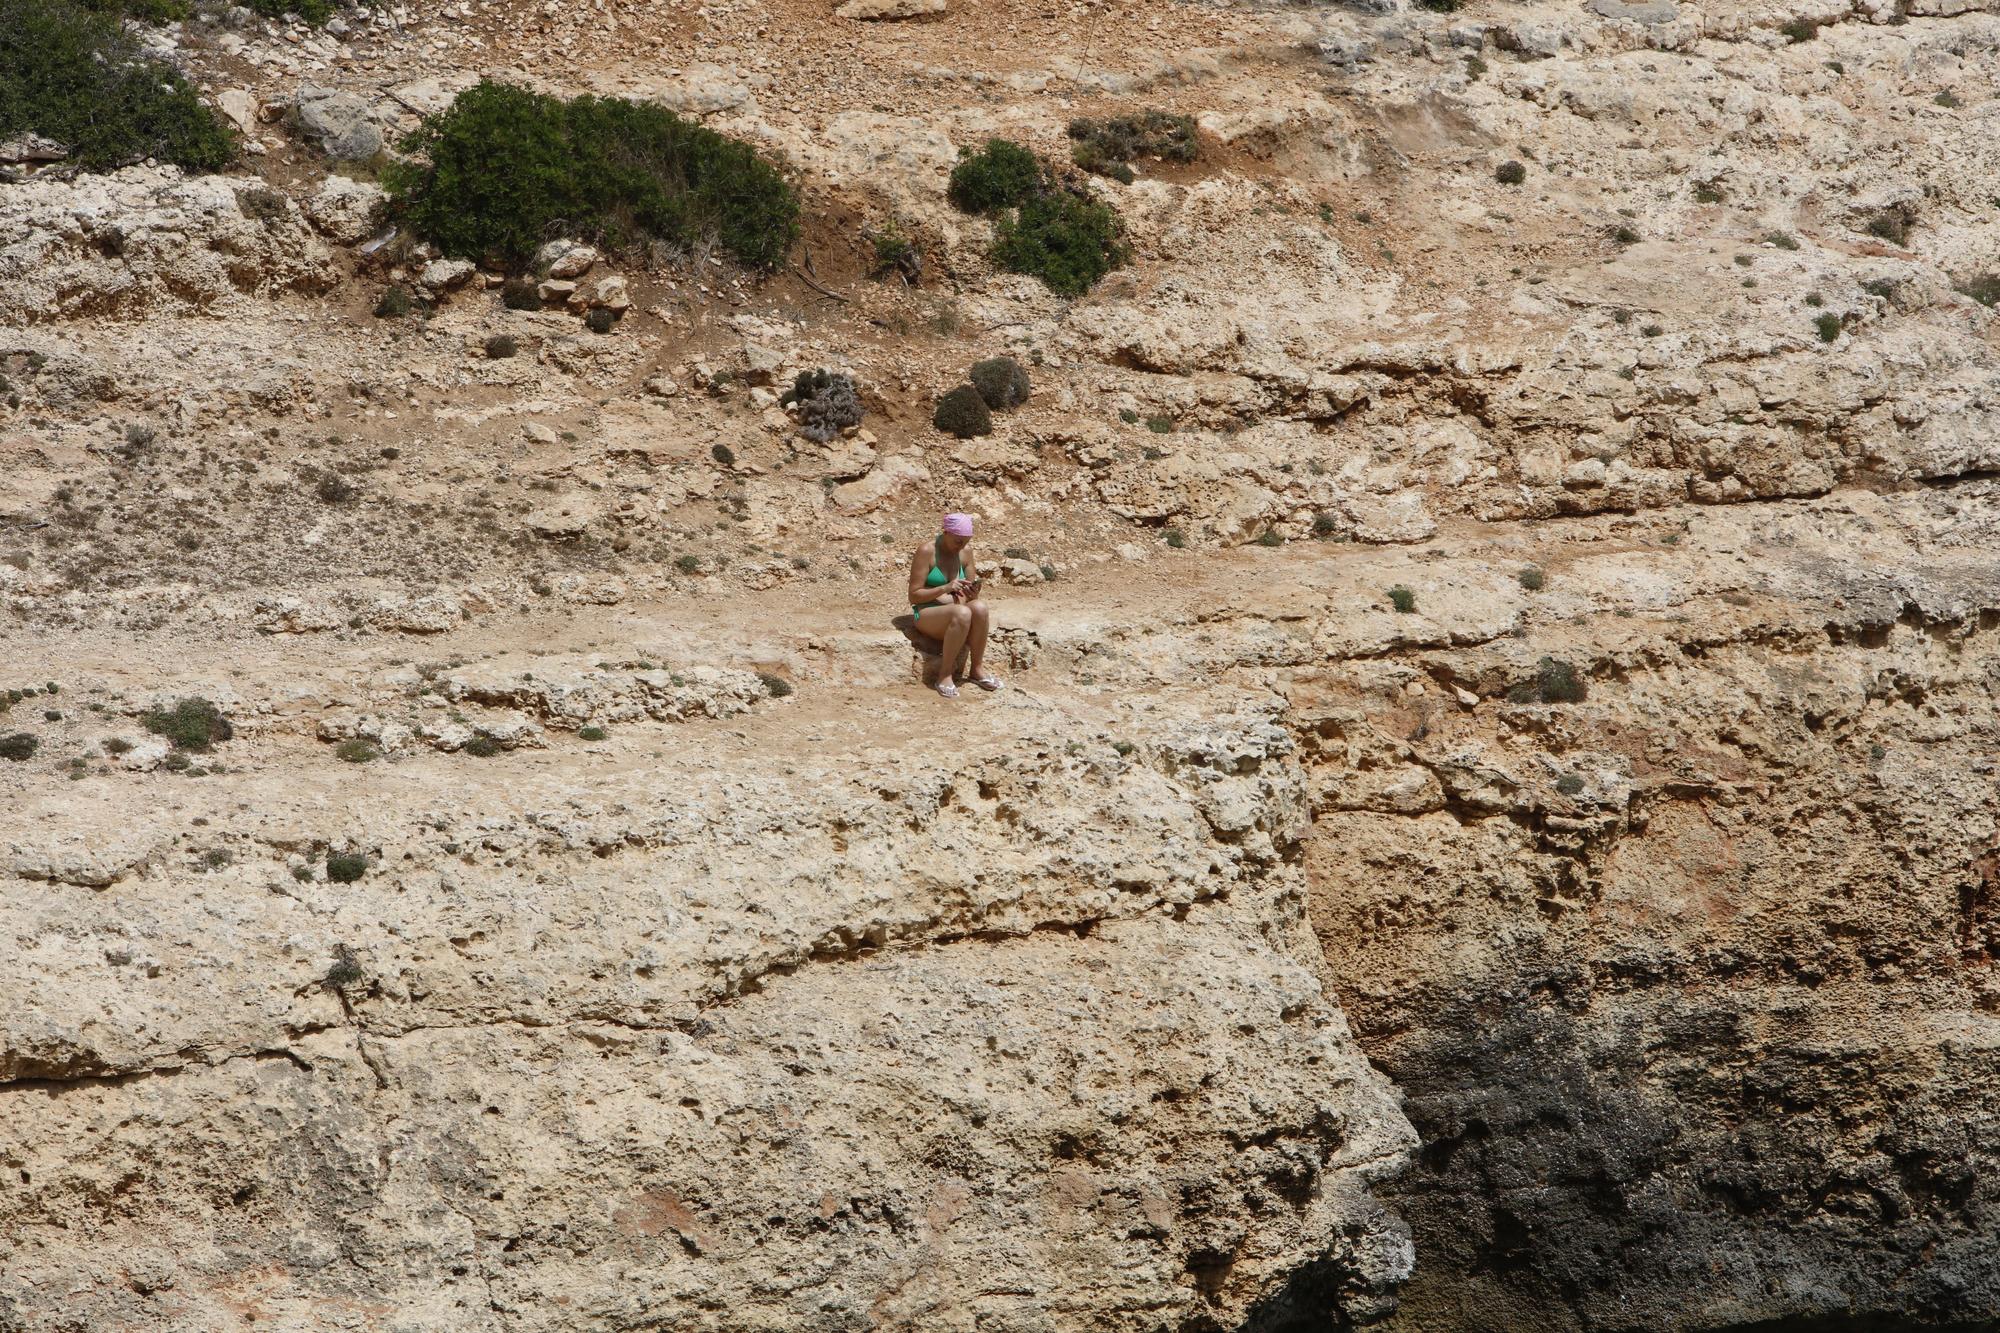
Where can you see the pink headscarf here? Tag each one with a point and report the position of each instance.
(958, 525)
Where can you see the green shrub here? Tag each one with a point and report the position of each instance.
(1160, 424)
(394, 303)
(1569, 784)
(117, 745)
(1948, 99)
(1889, 225)
(482, 746)
(591, 733)
(1270, 537)
(1625, 236)
(191, 724)
(73, 74)
(1554, 682)
(346, 969)
(520, 294)
(1814, 300)
(827, 401)
(722, 454)
(895, 252)
(1650, 331)
(504, 169)
(1707, 194)
(1000, 175)
(1128, 416)
(1325, 524)
(1108, 147)
(356, 751)
(345, 868)
(314, 12)
(1002, 382)
(1440, 6)
(1828, 326)
(262, 204)
(1510, 172)
(600, 320)
(1403, 599)
(18, 746)
(1800, 30)
(1886, 287)
(500, 346)
(1783, 240)
(688, 564)
(1533, 579)
(1067, 241)
(1048, 573)
(963, 413)
(1176, 539)
(1985, 288)
(775, 686)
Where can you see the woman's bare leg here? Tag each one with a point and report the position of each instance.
(950, 625)
(976, 637)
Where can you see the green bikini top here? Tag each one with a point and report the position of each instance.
(936, 578)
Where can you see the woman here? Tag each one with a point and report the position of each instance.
(947, 603)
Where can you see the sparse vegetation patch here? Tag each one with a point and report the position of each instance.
(503, 169)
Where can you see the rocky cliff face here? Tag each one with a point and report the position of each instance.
(1493, 826)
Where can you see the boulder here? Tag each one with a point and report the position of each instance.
(443, 275)
(337, 121)
(346, 211)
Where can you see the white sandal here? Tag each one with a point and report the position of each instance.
(947, 689)
(989, 683)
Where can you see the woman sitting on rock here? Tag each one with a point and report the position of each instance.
(947, 604)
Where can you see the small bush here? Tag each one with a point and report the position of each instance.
(1270, 537)
(262, 204)
(591, 733)
(1533, 579)
(356, 751)
(1707, 194)
(1783, 240)
(1625, 236)
(500, 346)
(394, 303)
(1985, 288)
(1440, 6)
(1800, 30)
(502, 169)
(1067, 241)
(1403, 599)
(346, 969)
(1554, 682)
(1650, 331)
(1569, 784)
(1886, 287)
(191, 724)
(117, 745)
(481, 746)
(1108, 147)
(1002, 382)
(1889, 225)
(963, 413)
(1325, 524)
(18, 746)
(1176, 539)
(1128, 416)
(1048, 573)
(600, 320)
(1000, 175)
(1948, 99)
(895, 253)
(70, 71)
(1510, 172)
(722, 454)
(775, 686)
(51, 715)
(1814, 300)
(521, 294)
(1828, 326)
(334, 489)
(827, 401)
(688, 564)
